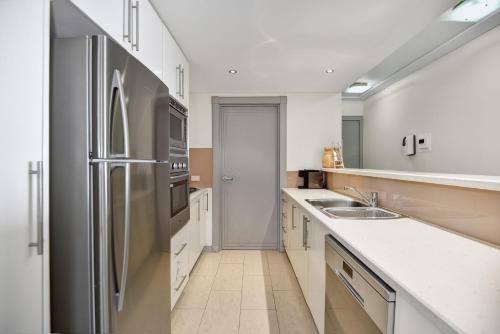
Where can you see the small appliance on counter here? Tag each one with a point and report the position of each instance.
(313, 179)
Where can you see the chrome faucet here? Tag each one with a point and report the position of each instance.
(372, 201)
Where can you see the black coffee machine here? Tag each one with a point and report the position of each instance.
(313, 179)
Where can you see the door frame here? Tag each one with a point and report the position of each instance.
(361, 144)
(218, 102)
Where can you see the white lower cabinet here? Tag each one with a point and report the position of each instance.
(187, 244)
(305, 247)
(304, 242)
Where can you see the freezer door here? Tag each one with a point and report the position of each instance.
(130, 115)
(134, 252)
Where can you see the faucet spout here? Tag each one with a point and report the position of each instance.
(372, 201)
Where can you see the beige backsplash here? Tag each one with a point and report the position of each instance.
(472, 212)
(200, 163)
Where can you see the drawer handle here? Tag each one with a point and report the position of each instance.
(180, 284)
(180, 250)
(350, 288)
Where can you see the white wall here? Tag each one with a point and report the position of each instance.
(313, 121)
(456, 99)
(352, 108)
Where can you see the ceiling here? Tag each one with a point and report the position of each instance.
(286, 45)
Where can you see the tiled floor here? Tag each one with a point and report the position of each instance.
(242, 291)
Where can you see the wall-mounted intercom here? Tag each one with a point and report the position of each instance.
(424, 142)
(408, 146)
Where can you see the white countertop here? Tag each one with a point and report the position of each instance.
(458, 180)
(449, 277)
(197, 193)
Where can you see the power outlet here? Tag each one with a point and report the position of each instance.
(195, 178)
(424, 142)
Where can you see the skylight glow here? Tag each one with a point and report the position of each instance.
(471, 10)
(358, 88)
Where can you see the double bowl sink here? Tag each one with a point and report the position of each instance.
(349, 209)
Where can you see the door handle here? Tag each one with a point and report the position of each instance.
(127, 22)
(39, 207)
(227, 178)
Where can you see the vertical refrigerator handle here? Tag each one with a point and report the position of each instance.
(117, 84)
(39, 207)
(120, 293)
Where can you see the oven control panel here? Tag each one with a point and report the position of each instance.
(179, 163)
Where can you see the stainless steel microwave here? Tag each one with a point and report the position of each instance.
(178, 125)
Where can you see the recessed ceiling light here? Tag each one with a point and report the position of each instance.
(471, 10)
(358, 88)
(329, 70)
(233, 71)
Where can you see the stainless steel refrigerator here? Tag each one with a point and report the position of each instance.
(109, 191)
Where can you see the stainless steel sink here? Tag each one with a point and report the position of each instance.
(361, 213)
(334, 203)
(350, 209)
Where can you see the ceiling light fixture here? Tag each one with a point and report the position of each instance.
(358, 88)
(471, 10)
(233, 71)
(329, 70)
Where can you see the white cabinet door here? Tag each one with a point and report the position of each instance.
(205, 211)
(175, 69)
(112, 16)
(284, 222)
(147, 31)
(316, 273)
(194, 233)
(24, 274)
(303, 226)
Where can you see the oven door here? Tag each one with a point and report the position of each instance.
(179, 201)
(178, 129)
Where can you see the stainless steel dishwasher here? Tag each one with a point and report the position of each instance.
(356, 300)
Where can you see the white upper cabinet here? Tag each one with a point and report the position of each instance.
(147, 39)
(175, 69)
(132, 23)
(112, 16)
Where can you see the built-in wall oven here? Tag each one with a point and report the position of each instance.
(356, 299)
(179, 167)
(178, 126)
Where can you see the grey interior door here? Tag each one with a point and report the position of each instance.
(352, 139)
(250, 155)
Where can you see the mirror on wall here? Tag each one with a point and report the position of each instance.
(439, 111)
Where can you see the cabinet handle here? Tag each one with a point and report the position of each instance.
(39, 207)
(182, 82)
(305, 232)
(293, 217)
(199, 209)
(180, 250)
(136, 44)
(178, 75)
(127, 22)
(180, 284)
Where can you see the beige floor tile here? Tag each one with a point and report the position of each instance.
(207, 265)
(193, 299)
(293, 315)
(229, 277)
(284, 280)
(275, 256)
(222, 313)
(199, 283)
(258, 322)
(232, 256)
(257, 293)
(256, 264)
(186, 321)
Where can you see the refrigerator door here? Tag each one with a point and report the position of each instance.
(130, 116)
(134, 249)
